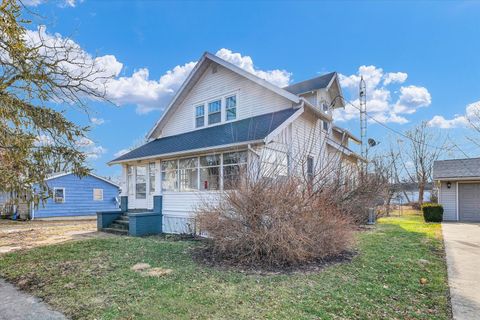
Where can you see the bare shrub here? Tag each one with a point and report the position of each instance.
(274, 223)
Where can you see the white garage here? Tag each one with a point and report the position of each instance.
(458, 184)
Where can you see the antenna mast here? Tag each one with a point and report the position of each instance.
(363, 117)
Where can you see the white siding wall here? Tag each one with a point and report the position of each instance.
(252, 99)
(448, 199)
(179, 210)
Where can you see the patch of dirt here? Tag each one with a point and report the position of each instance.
(17, 235)
(205, 257)
(145, 270)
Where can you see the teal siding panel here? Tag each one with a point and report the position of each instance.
(79, 197)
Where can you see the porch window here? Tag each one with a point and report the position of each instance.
(210, 172)
(234, 165)
(214, 112)
(188, 174)
(199, 116)
(130, 181)
(151, 175)
(141, 182)
(231, 108)
(169, 175)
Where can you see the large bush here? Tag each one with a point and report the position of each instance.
(275, 223)
(432, 212)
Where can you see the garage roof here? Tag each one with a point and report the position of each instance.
(456, 168)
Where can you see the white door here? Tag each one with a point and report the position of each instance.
(141, 187)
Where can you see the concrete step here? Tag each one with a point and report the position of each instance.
(122, 218)
(118, 225)
(122, 221)
(116, 231)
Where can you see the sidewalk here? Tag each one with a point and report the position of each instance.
(16, 305)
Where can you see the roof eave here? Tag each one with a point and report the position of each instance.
(191, 151)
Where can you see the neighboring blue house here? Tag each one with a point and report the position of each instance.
(74, 196)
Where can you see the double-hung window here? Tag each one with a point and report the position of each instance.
(199, 116)
(310, 169)
(97, 194)
(234, 166)
(59, 195)
(210, 172)
(215, 112)
(231, 108)
(130, 180)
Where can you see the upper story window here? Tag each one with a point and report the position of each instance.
(97, 194)
(230, 108)
(325, 125)
(199, 116)
(221, 110)
(325, 106)
(215, 112)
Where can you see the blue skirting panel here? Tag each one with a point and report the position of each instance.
(105, 218)
(144, 223)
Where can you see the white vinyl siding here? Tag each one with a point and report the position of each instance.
(448, 199)
(252, 99)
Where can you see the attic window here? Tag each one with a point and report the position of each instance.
(199, 116)
(214, 69)
(214, 112)
(325, 126)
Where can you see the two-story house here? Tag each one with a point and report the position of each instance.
(223, 119)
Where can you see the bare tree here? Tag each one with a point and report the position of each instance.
(419, 155)
(41, 76)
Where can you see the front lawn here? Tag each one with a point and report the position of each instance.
(92, 279)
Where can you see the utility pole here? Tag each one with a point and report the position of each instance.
(363, 120)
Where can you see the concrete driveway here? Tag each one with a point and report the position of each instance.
(462, 244)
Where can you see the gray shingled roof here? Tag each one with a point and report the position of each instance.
(311, 84)
(456, 168)
(244, 130)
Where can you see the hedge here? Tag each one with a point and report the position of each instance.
(432, 212)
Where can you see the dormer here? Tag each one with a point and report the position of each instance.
(323, 92)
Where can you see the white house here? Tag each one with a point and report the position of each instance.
(224, 118)
(458, 185)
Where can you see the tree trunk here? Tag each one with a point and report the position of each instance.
(421, 190)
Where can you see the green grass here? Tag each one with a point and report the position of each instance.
(92, 279)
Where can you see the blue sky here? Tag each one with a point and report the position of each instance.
(428, 51)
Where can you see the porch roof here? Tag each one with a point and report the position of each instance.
(232, 133)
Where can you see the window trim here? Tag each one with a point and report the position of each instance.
(94, 194)
(223, 116)
(55, 198)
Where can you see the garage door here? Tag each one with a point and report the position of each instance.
(469, 201)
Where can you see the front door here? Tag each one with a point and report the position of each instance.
(141, 187)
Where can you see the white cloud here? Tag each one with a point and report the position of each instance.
(138, 88)
(43, 140)
(383, 103)
(120, 153)
(395, 77)
(280, 78)
(97, 121)
(62, 4)
(471, 116)
(90, 148)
